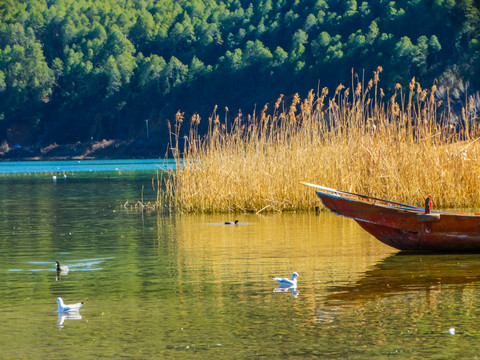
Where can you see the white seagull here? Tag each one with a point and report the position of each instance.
(62, 307)
(285, 282)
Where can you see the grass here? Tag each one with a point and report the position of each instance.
(400, 148)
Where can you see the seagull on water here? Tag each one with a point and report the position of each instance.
(62, 307)
(286, 282)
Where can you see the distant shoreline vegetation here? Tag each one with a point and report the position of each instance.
(401, 148)
(81, 70)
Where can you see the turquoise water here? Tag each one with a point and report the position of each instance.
(67, 166)
(191, 287)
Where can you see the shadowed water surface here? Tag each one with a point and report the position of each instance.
(192, 287)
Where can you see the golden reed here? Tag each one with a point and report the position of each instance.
(400, 148)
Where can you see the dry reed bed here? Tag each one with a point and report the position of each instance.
(401, 148)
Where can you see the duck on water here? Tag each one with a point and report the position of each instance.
(231, 223)
(61, 268)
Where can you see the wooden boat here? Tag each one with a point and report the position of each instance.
(405, 227)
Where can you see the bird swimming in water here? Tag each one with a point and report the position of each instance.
(231, 223)
(62, 307)
(61, 268)
(286, 282)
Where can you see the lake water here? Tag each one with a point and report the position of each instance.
(65, 166)
(175, 287)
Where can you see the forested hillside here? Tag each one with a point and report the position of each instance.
(75, 69)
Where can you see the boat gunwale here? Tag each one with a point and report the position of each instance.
(387, 204)
(361, 196)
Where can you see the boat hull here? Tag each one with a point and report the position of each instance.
(409, 228)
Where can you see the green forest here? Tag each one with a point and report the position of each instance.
(73, 70)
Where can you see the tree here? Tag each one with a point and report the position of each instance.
(320, 44)
(7, 8)
(232, 60)
(150, 73)
(434, 44)
(335, 50)
(351, 8)
(3, 85)
(14, 34)
(142, 31)
(373, 32)
(403, 56)
(196, 69)
(405, 49)
(420, 55)
(113, 76)
(25, 81)
(174, 74)
(117, 43)
(256, 54)
(356, 44)
(57, 67)
(310, 23)
(279, 57)
(299, 40)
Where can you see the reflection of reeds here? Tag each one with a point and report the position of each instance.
(400, 148)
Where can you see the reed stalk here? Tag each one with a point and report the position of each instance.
(402, 149)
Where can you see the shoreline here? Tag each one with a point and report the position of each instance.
(95, 150)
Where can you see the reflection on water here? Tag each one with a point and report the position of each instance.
(404, 273)
(287, 289)
(59, 274)
(62, 316)
(419, 286)
(192, 287)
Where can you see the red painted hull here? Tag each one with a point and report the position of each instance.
(407, 227)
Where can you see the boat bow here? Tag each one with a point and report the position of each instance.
(402, 226)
